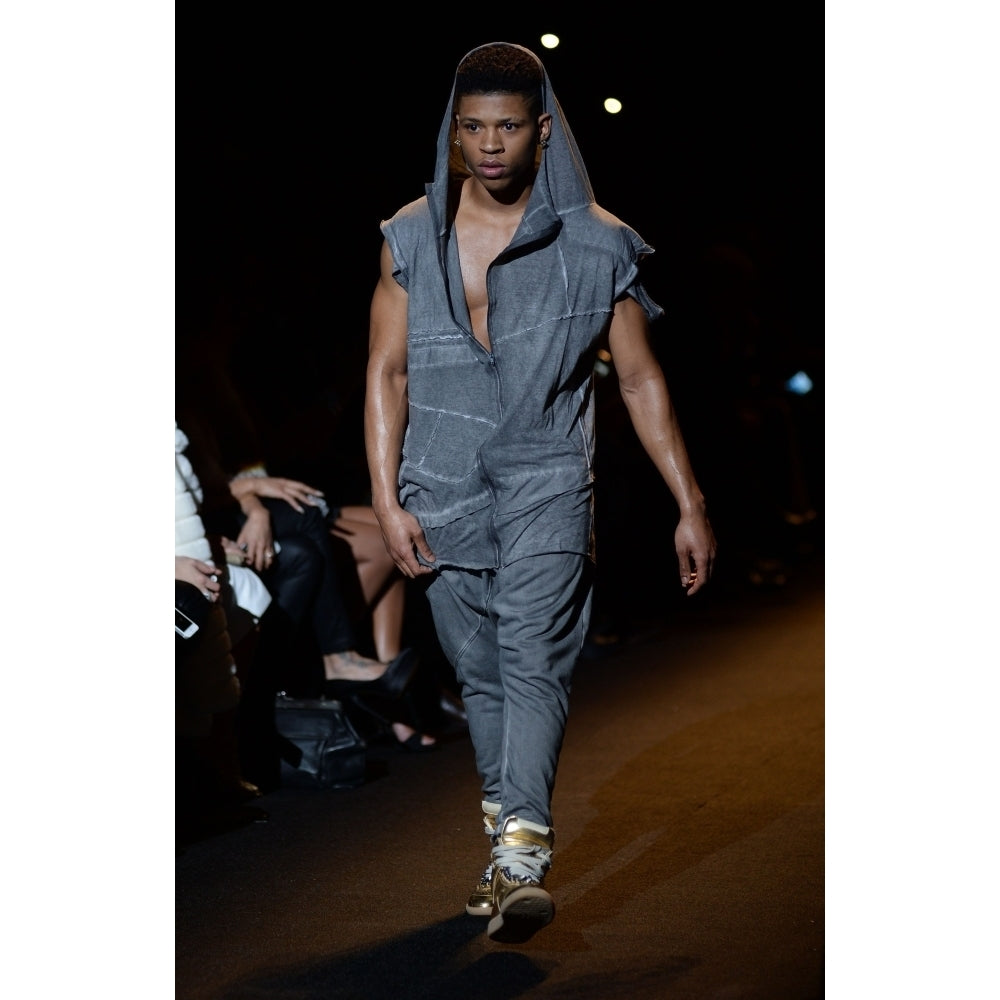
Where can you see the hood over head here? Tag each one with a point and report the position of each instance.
(561, 184)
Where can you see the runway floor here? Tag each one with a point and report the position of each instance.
(689, 818)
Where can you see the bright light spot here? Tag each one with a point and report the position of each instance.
(612, 105)
(800, 383)
(550, 41)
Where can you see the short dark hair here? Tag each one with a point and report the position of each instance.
(501, 68)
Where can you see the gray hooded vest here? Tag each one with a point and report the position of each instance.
(497, 459)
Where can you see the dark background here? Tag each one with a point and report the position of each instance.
(297, 134)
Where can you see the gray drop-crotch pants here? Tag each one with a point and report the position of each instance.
(513, 636)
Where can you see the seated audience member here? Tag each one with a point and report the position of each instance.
(295, 515)
(279, 528)
(210, 786)
(279, 533)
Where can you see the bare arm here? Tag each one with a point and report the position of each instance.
(644, 390)
(386, 405)
(256, 538)
(296, 494)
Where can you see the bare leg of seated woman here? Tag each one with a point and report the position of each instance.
(383, 589)
(352, 666)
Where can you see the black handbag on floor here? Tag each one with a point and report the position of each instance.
(319, 742)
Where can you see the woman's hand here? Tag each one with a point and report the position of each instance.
(256, 540)
(202, 574)
(234, 553)
(294, 493)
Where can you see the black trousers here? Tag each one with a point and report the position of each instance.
(304, 578)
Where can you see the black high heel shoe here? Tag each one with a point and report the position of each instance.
(379, 715)
(390, 684)
(413, 743)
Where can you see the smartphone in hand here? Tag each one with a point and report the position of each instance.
(184, 626)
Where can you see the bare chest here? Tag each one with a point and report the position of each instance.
(478, 247)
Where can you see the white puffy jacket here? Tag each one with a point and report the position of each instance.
(189, 532)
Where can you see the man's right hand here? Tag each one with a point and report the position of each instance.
(403, 538)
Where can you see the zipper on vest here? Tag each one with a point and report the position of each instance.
(492, 361)
(493, 509)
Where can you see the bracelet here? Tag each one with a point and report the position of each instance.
(251, 472)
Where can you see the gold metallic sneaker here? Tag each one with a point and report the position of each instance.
(480, 902)
(521, 906)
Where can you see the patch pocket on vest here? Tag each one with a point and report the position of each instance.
(443, 445)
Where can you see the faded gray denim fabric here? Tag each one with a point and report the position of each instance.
(497, 435)
(514, 636)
